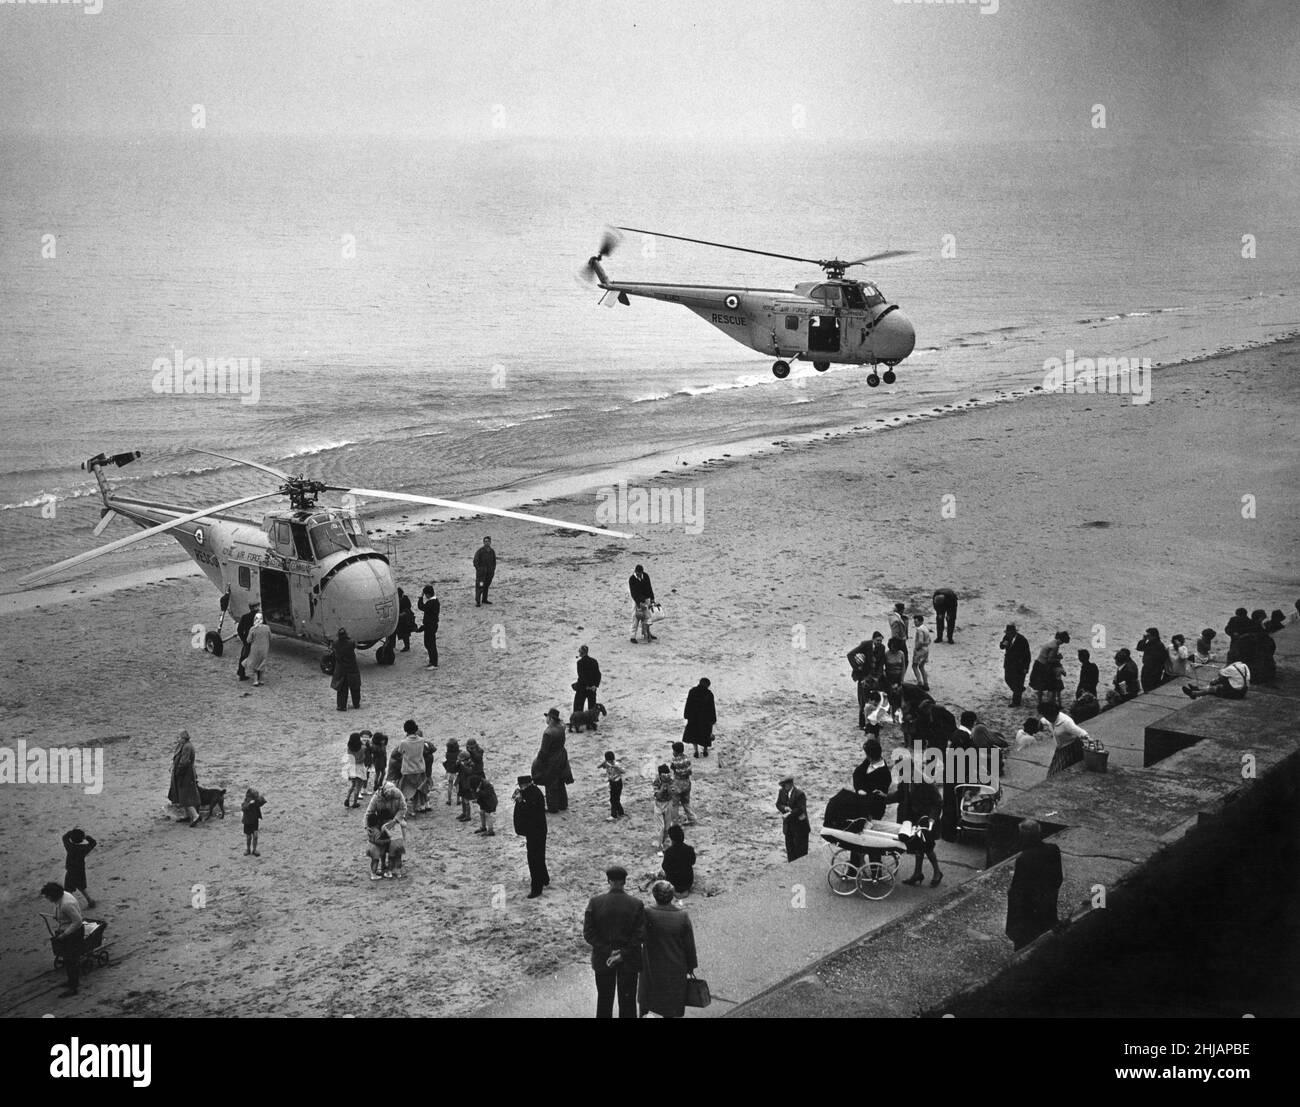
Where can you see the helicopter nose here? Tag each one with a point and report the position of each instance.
(895, 337)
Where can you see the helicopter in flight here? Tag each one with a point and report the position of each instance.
(311, 568)
(831, 321)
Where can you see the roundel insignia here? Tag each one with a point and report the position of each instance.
(732, 302)
(198, 535)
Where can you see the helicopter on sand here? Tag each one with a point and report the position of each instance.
(831, 321)
(311, 568)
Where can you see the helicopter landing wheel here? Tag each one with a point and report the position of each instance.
(889, 376)
(821, 366)
(873, 380)
(213, 644)
(781, 370)
(327, 661)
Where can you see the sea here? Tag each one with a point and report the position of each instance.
(419, 322)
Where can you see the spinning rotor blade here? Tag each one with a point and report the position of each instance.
(480, 509)
(881, 256)
(244, 461)
(608, 242)
(130, 539)
(722, 245)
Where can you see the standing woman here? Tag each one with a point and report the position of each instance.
(701, 715)
(184, 791)
(259, 648)
(667, 956)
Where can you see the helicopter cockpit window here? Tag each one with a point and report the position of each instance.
(872, 294)
(330, 537)
(355, 530)
(829, 294)
(301, 547)
(853, 298)
(282, 539)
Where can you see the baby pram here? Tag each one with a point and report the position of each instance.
(873, 879)
(92, 943)
(976, 804)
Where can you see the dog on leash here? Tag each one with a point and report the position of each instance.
(586, 720)
(212, 799)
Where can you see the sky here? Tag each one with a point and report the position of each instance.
(755, 71)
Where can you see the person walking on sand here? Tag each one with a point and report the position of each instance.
(1015, 662)
(184, 791)
(242, 628)
(347, 674)
(486, 798)
(681, 770)
(69, 927)
(430, 610)
(945, 612)
(643, 596)
(793, 805)
(614, 927)
(451, 766)
(354, 768)
(668, 956)
(614, 774)
(259, 648)
(485, 568)
(584, 688)
(530, 824)
(252, 806)
(701, 716)
(412, 782)
(921, 652)
(551, 765)
(76, 844)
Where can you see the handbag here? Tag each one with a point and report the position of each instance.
(697, 991)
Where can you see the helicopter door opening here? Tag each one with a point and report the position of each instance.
(276, 607)
(823, 334)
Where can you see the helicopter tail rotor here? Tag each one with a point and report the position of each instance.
(593, 271)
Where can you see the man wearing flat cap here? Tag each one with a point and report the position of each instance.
(530, 824)
(551, 765)
(614, 927)
(793, 805)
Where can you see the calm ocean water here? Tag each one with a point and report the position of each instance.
(457, 353)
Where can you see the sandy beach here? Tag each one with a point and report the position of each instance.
(1086, 513)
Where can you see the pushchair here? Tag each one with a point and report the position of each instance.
(93, 951)
(975, 805)
(872, 879)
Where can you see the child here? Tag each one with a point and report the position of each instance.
(450, 764)
(378, 849)
(466, 784)
(367, 760)
(77, 843)
(356, 771)
(475, 752)
(664, 794)
(681, 767)
(394, 833)
(254, 801)
(614, 773)
(379, 755)
(487, 805)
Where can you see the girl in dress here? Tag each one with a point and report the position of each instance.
(355, 769)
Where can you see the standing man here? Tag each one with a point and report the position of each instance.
(921, 652)
(242, 628)
(1035, 885)
(898, 623)
(793, 805)
(485, 567)
(945, 610)
(551, 765)
(347, 674)
(614, 927)
(77, 843)
(643, 595)
(584, 688)
(431, 609)
(1015, 662)
(530, 824)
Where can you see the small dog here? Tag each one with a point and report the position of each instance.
(212, 799)
(586, 720)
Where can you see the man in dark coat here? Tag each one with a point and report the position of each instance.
(701, 714)
(867, 667)
(1089, 675)
(485, 568)
(1238, 624)
(242, 628)
(793, 805)
(347, 674)
(643, 595)
(945, 610)
(551, 765)
(431, 609)
(584, 689)
(1015, 662)
(1155, 659)
(614, 927)
(530, 824)
(1031, 899)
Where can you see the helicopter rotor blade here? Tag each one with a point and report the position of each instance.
(139, 536)
(244, 461)
(722, 245)
(880, 256)
(608, 244)
(480, 509)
